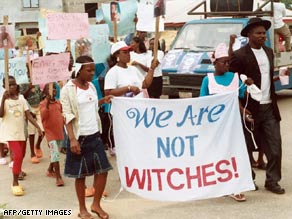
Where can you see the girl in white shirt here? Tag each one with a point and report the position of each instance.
(140, 58)
(85, 153)
(124, 80)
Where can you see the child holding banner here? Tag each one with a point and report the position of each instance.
(223, 81)
(53, 123)
(85, 149)
(14, 110)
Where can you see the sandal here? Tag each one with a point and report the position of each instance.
(238, 197)
(38, 153)
(17, 190)
(102, 216)
(21, 175)
(85, 216)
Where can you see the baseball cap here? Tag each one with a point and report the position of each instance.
(121, 45)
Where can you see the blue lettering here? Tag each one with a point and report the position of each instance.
(175, 147)
(147, 118)
(218, 109)
(188, 115)
(163, 147)
(210, 115)
(180, 144)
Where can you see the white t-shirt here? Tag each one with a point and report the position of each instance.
(14, 113)
(264, 66)
(158, 69)
(118, 77)
(142, 58)
(279, 13)
(87, 100)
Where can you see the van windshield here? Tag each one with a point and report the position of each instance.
(205, 37)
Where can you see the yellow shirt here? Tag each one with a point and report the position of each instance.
(13, 120)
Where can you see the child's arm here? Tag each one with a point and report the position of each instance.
(5, 96)
(31, 119)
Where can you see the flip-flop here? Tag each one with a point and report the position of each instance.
(106, 216)
(238, 197)
(85, 216)
(17, 190)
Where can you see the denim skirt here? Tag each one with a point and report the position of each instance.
(92, 160)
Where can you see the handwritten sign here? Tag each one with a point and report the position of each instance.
(63, 26)
(187, 149)
(17, 69)
(51, 68)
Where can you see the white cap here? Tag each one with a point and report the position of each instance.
(221, 51)
(121, 45)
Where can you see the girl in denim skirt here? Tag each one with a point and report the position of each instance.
(85, 152)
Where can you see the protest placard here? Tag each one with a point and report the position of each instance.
(99, 15)
(51, 68)
(17, 69)
(126, 23)
(64, 26)
(146, 20)
(56, 46)
(7, 39)
(100, 47)
(179, 150)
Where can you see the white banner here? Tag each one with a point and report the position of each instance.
(181, 149)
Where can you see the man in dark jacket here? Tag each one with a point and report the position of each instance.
(255, 60)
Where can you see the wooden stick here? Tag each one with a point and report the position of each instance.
(115, 28)
(51, 86)
(6, 58)
(27, 57)
(68, 45)
(156, 39)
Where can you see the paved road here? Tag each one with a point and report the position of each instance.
(42, 194)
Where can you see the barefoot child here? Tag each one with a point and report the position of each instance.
(13, 110)
(53, 123)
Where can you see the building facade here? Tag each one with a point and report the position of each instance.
(25, 13)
